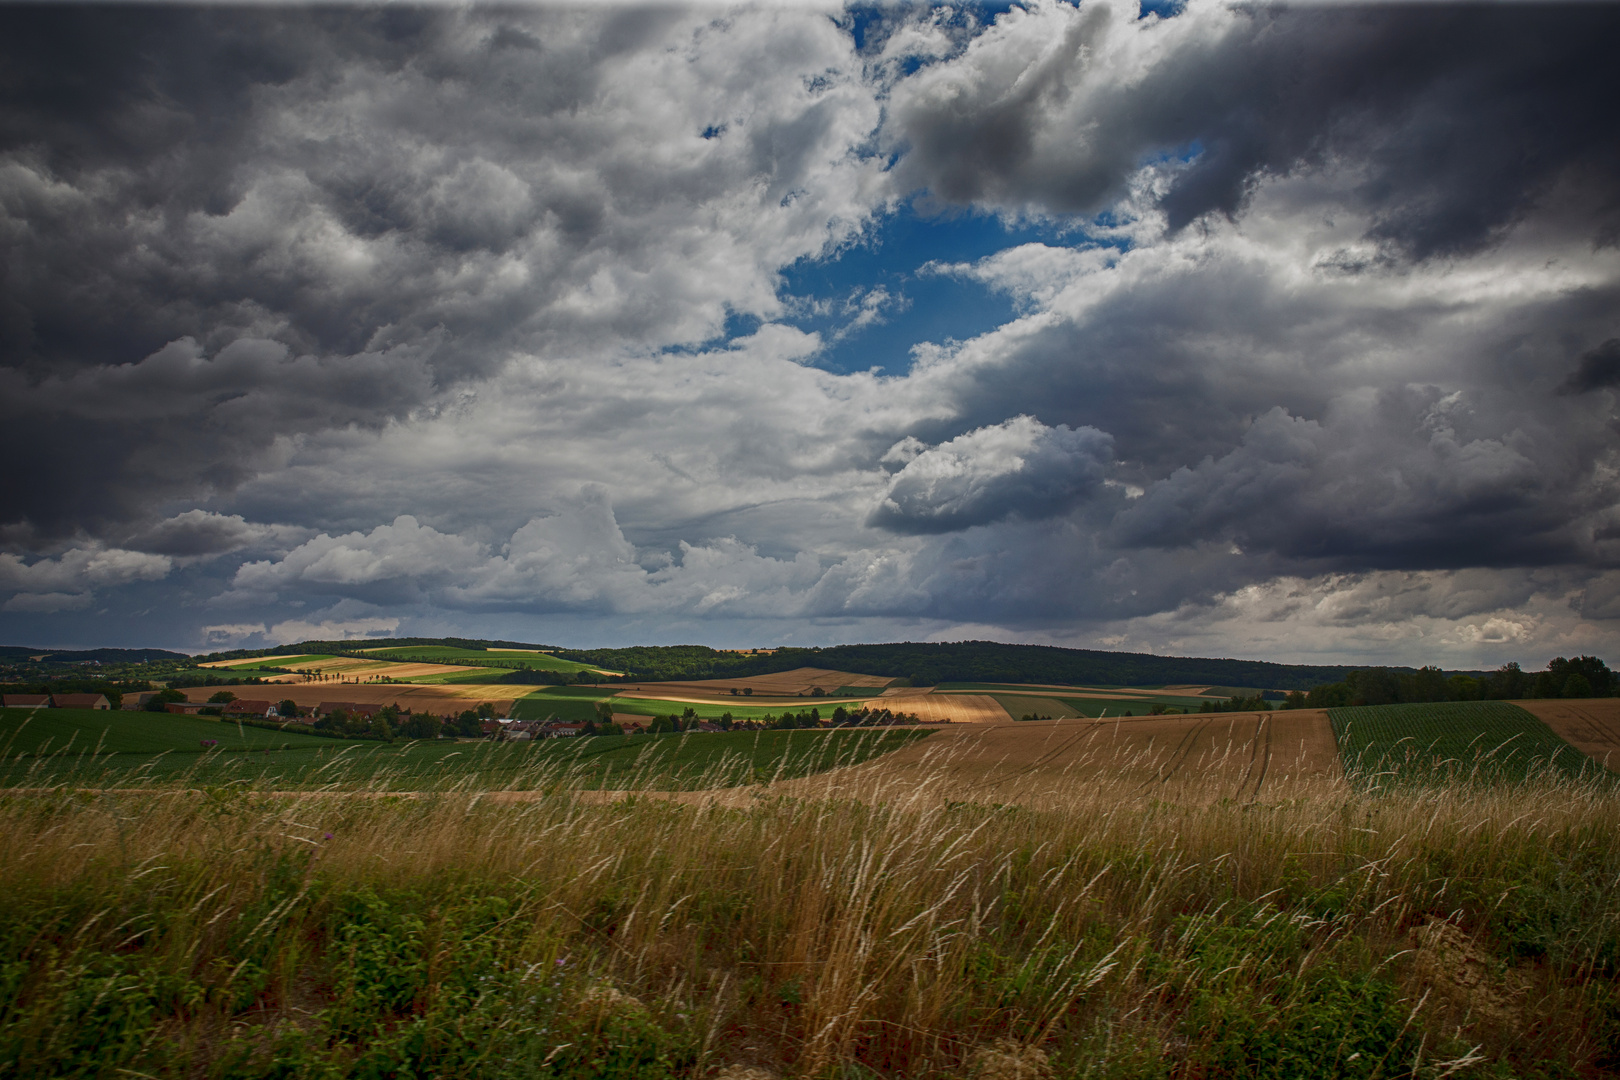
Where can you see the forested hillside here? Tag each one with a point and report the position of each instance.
(967, 661)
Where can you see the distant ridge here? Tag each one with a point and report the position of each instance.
(924, 663)
(78, 656)
(929, 664)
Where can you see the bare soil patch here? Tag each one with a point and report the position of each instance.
(1591, 726)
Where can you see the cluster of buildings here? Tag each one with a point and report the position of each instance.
(55, 701)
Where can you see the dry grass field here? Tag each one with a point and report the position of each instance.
(1191, 759)
(1101, 931)
(1591, 726)
(1195, 897)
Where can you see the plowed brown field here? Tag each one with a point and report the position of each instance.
(778, 684)
(439, 700)
(1591, 726)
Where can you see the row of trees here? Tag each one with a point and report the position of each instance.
(1580, 677)
(1239, 703)
(789, 720)
(391, 722)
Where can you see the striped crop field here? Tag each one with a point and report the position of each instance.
(1446, 742)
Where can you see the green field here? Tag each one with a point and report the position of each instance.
(1019, 706)
(449, 654)
(578, 703)
(79, 731)
(741, 709)
(1061, 706)
(570, 704)
(1451, 741)
(476, 675)
(1064, 708)
(654, 762)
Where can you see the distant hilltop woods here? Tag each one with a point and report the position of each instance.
(920, 664)
(1251, 684)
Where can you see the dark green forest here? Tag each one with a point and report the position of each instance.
(929, 664)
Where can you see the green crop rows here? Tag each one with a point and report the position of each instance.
(655, 762)
(92, 731)
(1447, 742)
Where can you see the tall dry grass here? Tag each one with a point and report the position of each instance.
(878, 924)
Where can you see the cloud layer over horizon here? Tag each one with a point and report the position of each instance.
(1298, 329)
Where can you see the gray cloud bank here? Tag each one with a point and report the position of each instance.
(375, 319)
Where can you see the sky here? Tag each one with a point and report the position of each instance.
(1287, 333)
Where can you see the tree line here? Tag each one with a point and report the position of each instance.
(1580, 677)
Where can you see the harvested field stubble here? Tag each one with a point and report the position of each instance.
(1332, 933)
(957, 708)
(1193, 759)
(1591, 726)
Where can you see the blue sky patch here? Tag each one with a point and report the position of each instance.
(880, 275)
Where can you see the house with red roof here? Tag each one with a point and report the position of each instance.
(80, 701)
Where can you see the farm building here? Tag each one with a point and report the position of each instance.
(80, 701)
(25, 701)
(185, 708)
(249, 707)
(353, 708)
(137, 701)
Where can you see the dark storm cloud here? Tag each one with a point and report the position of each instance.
(91, 448)
(342, 215)
(1599, 368)
(1457, 118)
(1395, 482)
